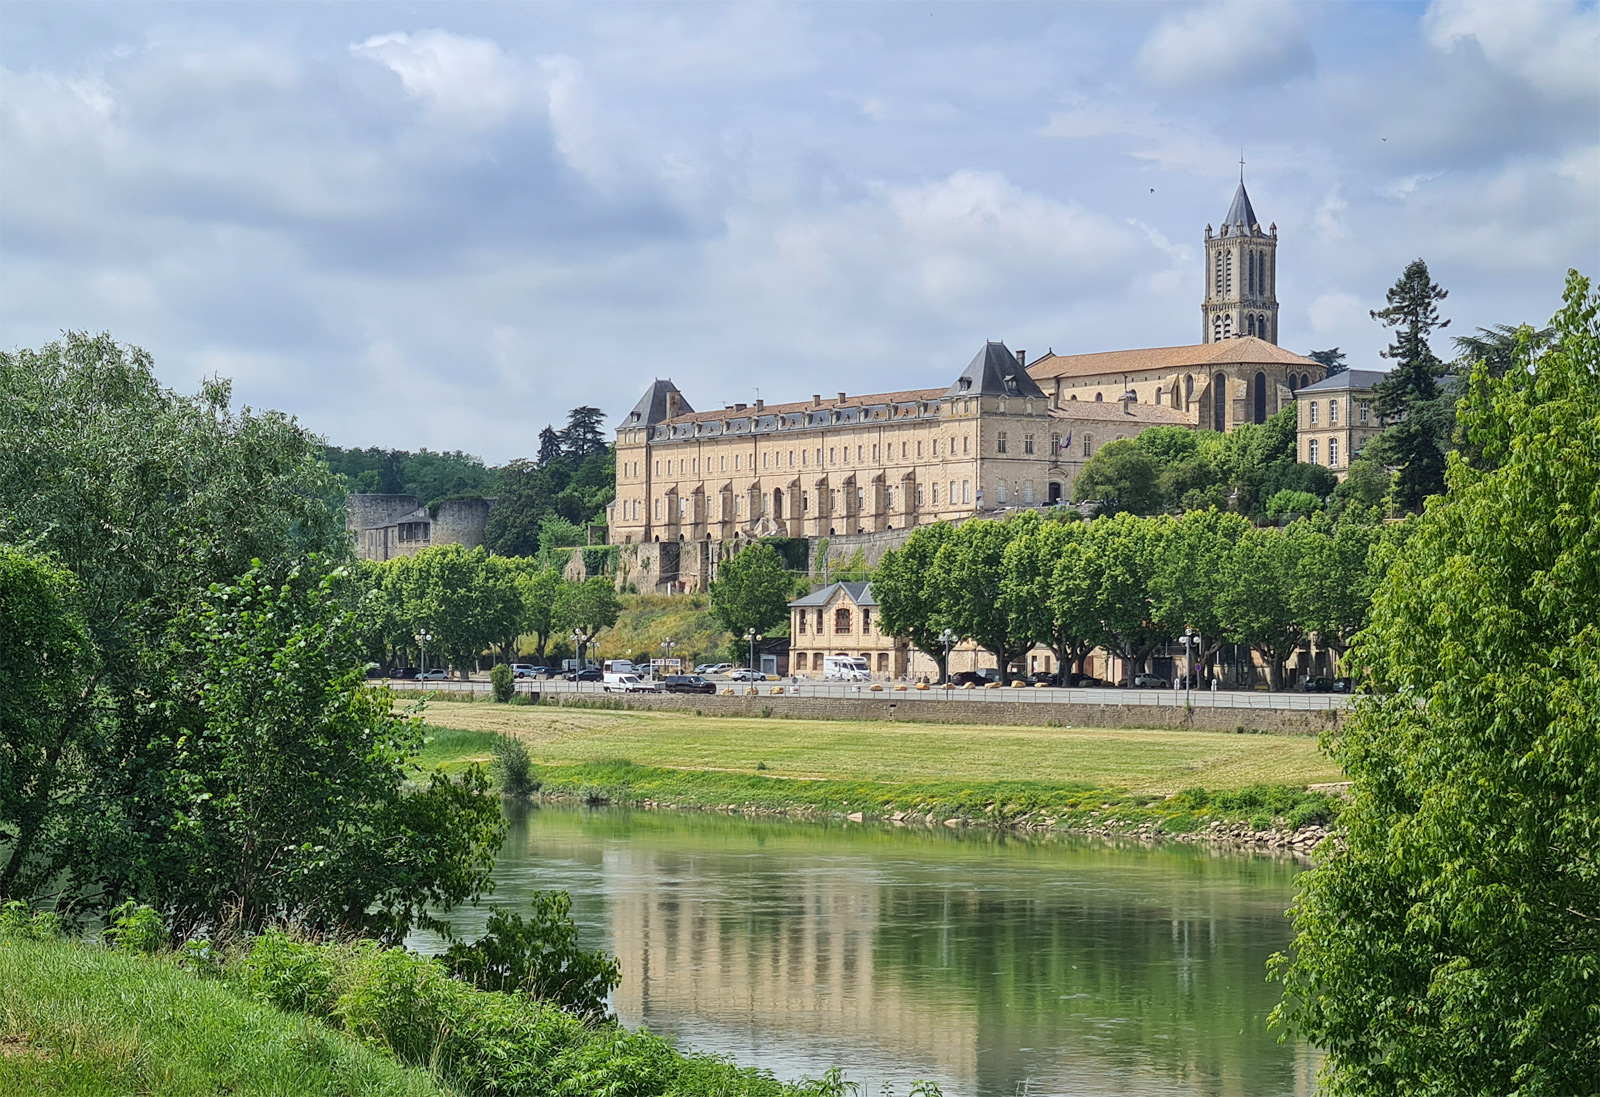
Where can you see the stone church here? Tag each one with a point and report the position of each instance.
(1006, 432)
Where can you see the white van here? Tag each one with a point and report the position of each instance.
(846, 668)
(629, 683)
(619, 666)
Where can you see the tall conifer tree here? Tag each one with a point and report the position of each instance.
(1409, 395)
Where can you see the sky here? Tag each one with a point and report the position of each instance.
(442, 225)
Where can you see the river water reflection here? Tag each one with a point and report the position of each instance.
(991, 964)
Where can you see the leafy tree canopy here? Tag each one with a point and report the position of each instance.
(1332, 359)
(1448, 941)
(1121, 477)
(751, 592)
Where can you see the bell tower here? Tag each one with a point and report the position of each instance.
(1241, 275)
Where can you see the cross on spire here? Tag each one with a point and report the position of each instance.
(1241, 165)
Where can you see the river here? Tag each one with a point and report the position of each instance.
(992, 964)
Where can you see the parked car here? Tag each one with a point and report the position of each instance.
(434, 675)
(1089, 681)
(1150, 681)
(972, 677)
(688, 683)
(745, 674)
(592, 674)
(704, 668)
(1042, 678)
(406, 673)
(528, 670)
(1315, 685)
(1344, 685)
(715, 668)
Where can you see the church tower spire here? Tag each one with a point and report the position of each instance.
(1241, 275)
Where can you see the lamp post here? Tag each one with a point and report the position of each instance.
(948, 639)
(666, 646)
(577, 639)
(1191, 641)
(424, 638)
(751, 636)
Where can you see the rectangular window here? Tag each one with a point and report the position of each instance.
(919, 450)
(658, 510)
(935, 494)
(1311, 455)
(866, 621)
(1088, 445)
(859, 452)
(966, 491)
(952, 495)
(736, 462)
(800, 620)
(833, 456)
(1027, 492)
(1363, 413)
(1000, 493)
(1314, 413)
(936, 447)
(1027, 443)
(724, 462)
(874, 454)
(658, 468)
(919, 495)
(803, 454)
(791, 458)
(902, 451)
(1333, 453)
(1000, 442)
(965, 448)
(1333, 413)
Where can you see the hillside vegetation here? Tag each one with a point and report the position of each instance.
(648, 619)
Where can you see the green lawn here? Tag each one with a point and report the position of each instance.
(78, 1019)
(1140, 761)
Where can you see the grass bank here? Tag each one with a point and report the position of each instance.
(1073, 778)
(77, 1019)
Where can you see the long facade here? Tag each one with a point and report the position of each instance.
(1006, 433)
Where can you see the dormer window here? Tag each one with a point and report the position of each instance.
(966, 383)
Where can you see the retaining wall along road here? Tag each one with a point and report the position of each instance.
(946, 707)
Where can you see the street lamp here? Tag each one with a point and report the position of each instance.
(577, 639)
(667, 646)
(424, 638)
(948, 639)
(1190, 640)
(751, 635)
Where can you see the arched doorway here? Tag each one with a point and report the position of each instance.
(1261, 398)
(1054, 493)
(777, 504)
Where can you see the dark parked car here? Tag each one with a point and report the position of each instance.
(1089, 681)
(1316, 685)
(1343, 685)
(593, 674)
(407, 673)
(975, 677)
(688, 683)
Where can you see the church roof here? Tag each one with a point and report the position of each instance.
(1240, 215)
(652, 407)
(995, 371)
(1244, 350)
(1119, 411)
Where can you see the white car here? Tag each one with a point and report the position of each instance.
(716, 668)
(526, 670)
(433, 675)
(744, 674)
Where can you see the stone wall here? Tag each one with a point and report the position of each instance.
(460, 521)
(886, 706)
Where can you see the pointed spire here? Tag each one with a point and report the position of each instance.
(1240, 214)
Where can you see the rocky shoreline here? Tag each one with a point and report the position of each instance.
(1218, 833)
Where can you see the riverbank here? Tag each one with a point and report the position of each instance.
(1237, 790)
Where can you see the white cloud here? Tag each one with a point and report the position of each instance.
(1333, 314)
(462, 80)
(1552, 45)
(1328, 221)
(1404, 187)
(1227, 45)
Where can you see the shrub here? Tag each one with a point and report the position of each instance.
(539, 957)
(514, 767)
(136, 928)
(290, 973)
(17, 921)
(502, 683)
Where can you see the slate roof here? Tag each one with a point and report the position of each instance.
(1349, 379)
(1240, 215)
(860, 594)
(1246, 349)
(994, 371)
(906, 396)
(652, 407)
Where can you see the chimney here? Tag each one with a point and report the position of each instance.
(738, 407)
(760, 403)
(1022, 359)
(674, 404)
(841, 398)
(816, 400)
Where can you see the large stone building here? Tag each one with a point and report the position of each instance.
(1005, 433)
(1337, 419)
(387, 526)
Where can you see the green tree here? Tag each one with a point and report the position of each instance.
(911, 603)
(1409, 396)
(582, 435)
(1334, 577)
(1121, 477)
(448, 591)
(968, 571)
(1189, 573)
(1123, 560)
(1253, 600)
(1292, 504)
(522, 499)
(288, 776)
(1366, 484)
(1332, 360)
(1031, 580)
(1447, 941)
(751, 592)
(45, 723)
(586, 609)
(538, 589)
(549, 446)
